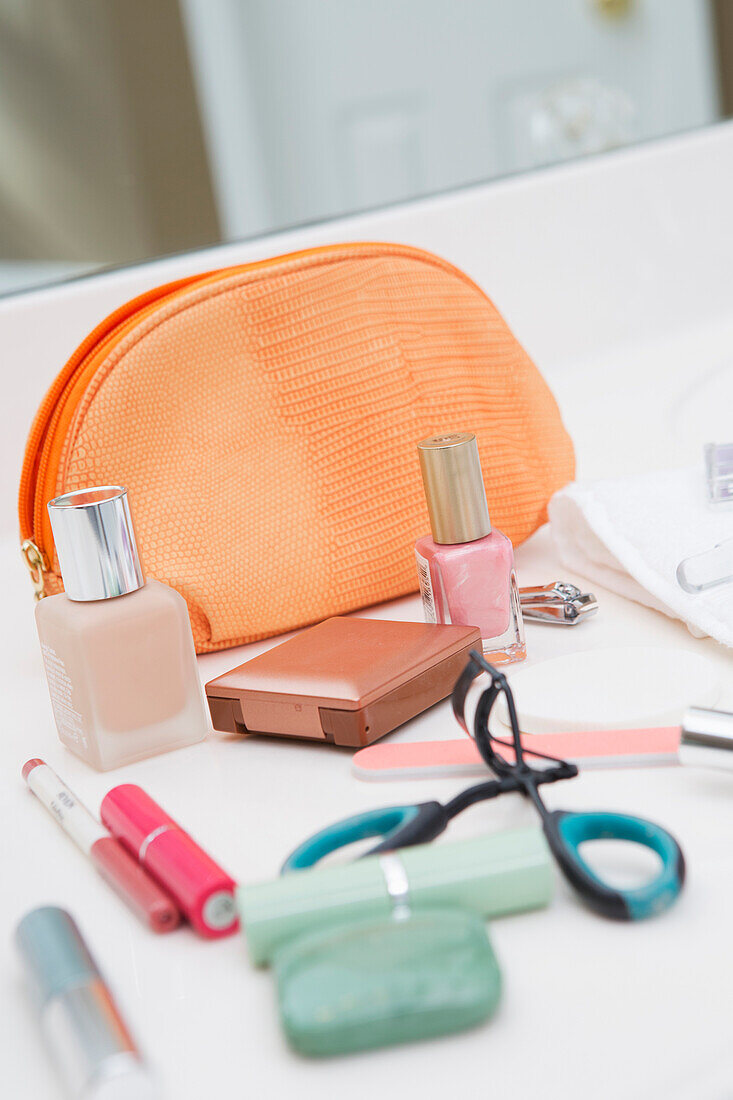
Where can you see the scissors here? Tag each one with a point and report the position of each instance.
(565, 831)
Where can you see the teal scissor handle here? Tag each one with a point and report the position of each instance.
(398, 827)
(566, 831)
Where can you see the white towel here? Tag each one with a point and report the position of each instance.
(629, 534)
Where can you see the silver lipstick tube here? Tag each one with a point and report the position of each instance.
(90, 1044)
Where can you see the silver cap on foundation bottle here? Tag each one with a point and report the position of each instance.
(95, 543)
(454, 487)
(706, 739)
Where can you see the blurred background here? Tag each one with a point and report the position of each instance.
(130, 129)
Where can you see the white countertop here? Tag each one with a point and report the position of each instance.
(590, 1008)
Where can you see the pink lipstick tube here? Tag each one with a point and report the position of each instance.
(201, 889)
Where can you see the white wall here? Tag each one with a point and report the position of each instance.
(319, 107)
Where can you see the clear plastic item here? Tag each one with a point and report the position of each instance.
(714, 566)
(707, 569)
(718, 458)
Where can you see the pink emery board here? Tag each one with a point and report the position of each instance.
(589, 749)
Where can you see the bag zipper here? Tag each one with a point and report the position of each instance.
(43, 430)
(62, 399)
(37, 566)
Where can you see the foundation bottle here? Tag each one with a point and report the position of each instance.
(118, 651)
(466, 567)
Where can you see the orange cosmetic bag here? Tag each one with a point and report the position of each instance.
(264, 419)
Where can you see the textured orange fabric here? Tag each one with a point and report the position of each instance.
(265, 422)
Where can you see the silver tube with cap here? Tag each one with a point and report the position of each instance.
(91, 1046)
(706, 738)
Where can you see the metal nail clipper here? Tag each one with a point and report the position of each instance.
(559, 603)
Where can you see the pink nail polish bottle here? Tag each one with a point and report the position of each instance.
(466, 569)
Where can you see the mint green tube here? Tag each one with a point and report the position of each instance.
(491, 876)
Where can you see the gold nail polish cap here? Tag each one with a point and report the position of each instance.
(454, 487)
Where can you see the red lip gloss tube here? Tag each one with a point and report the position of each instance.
(114, 863)
(200, 888)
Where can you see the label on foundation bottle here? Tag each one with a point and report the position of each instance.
(426, 588)
(70, 723)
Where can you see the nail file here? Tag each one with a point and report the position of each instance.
(624, 748)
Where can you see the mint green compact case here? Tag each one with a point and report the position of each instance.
(373, 983)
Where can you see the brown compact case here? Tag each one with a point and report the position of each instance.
(346, 681)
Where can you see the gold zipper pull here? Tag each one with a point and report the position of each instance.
(37, 566)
